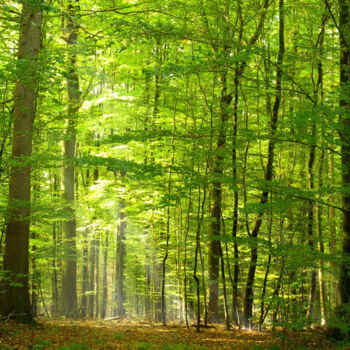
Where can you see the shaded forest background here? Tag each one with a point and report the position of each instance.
(176, 161)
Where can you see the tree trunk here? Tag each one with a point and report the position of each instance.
(264, 287)
(224, 289)
(310, 224)
(69, 275)
(15, 301)
(235, 300)
(54, 278)
(165, 258)
(216, 200)
(148, 299)
(105, 278)
(248, 297)
(344, 102)
(92, 288)
(85, 284)
(97, 276)
(333, 239)
(200, 217)
(187, 230)
(321, 280)
(119, 290)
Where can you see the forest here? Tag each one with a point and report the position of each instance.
(175, 163)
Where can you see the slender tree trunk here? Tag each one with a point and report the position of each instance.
(105, 278)
(85, 284)
(97, 275)
(224, 289)
(216, 200)
(205, 304)
(322, 284)
(54, 293)
(119, 290)
(310, 224)
(263, 293)
(15, 301)
(236, 81)
(157, 263)
(235, 296)
(92, 288)
(319, 93)
(69, 306)
(167, 237)
(344, 102)
(165, 258)
(200, 216)
(85, 297)
(249, 296)
(189, 211)
(333, 235)
(148, 308)
(226, 96)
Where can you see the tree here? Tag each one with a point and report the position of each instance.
(15, 301)
(344, 104)
(248, 297)
(69, 306)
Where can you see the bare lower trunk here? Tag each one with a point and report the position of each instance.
(97, 277)
(92, 288)
(105, 279)
(119, 290)
(54, 293)
(85, 284)
(197, 256)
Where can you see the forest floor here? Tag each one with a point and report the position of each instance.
(80, 335)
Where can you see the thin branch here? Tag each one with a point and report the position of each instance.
(114, 9)
(6, 101)
(314, 200)
(329, 7)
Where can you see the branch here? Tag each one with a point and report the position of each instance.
(317, 201)
(335, 21)
(6, 101)
(115, 10)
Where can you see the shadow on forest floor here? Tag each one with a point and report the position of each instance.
(80, 335)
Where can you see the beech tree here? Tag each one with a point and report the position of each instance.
(15, 300)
